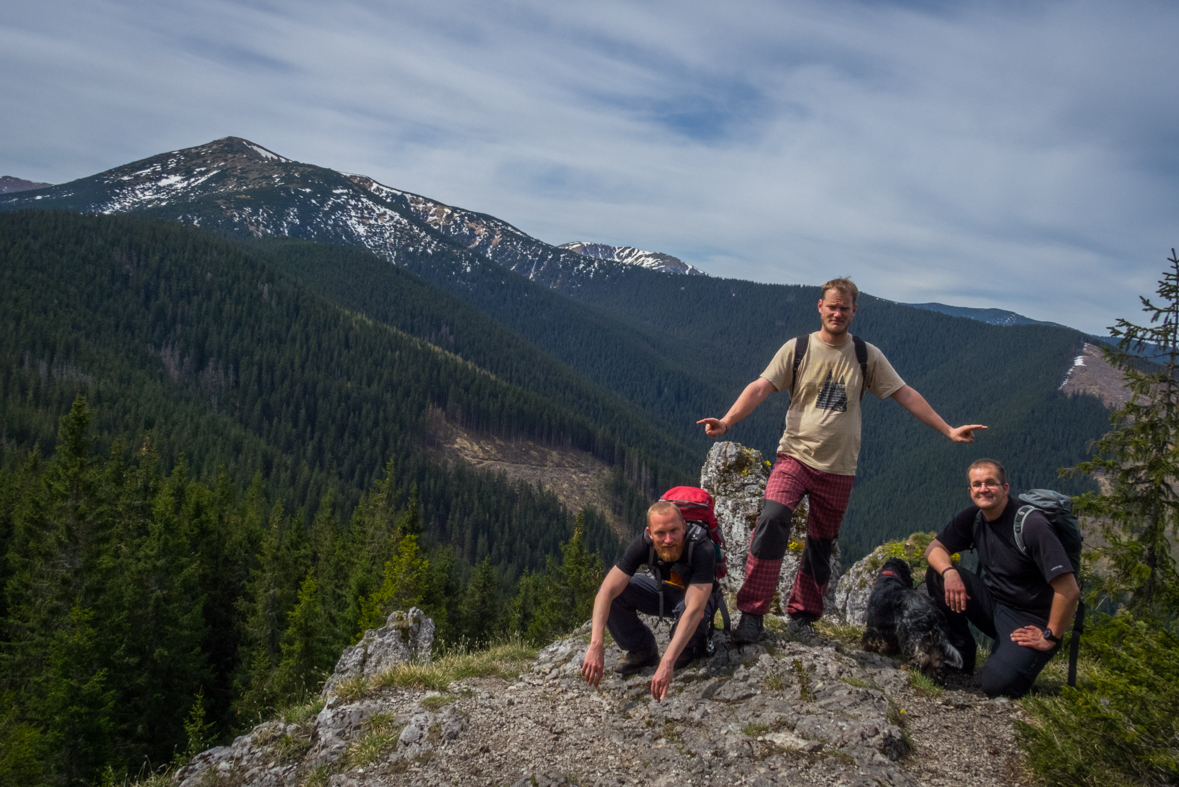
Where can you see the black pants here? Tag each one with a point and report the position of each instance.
(1012, 668)
(642, 595)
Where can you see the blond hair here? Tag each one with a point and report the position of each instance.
(843, 286)
(664, 507)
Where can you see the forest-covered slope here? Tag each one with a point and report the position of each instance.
(230, 362)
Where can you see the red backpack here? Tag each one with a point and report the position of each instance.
(696, 506)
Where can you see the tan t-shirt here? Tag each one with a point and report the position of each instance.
(823, 421)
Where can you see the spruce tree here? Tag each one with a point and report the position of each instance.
(1139, 461)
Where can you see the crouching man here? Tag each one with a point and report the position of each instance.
(683, 561)
(1024, 600)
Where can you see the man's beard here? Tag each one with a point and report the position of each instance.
(670, 554)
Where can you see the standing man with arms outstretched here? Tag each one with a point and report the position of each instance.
(817, 454)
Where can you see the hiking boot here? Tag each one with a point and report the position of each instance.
(802, 630)
(749, 629)
(634, 662)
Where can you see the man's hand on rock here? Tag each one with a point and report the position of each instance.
(662, 680)
(593, 663)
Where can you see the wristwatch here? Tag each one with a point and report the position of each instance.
(1048, 635)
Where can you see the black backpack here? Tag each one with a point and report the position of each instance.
(1058, 510)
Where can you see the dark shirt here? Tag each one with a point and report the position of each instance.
(1015, 580)
(700, 570)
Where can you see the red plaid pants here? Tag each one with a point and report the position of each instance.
(827, 495)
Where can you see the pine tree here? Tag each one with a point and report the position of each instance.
(480, 605)
(1138, 458)
(305, 653)
(402, 588)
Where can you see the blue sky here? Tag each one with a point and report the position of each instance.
(1013, 155)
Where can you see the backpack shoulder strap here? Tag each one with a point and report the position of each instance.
(1021, 516)
(800, 345)
(861, 348)
(656, 572)
(978, 524)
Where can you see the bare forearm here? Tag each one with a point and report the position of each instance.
(938, 557)
(1064, 606)
(753, 395)
(614, 583)
(683, 632)
(915, 403)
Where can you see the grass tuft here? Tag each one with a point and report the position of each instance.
(380, 735)
(297, 714)
(924, 684)
(505, 659)
(840, 632)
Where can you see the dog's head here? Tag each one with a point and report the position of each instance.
(899, 570)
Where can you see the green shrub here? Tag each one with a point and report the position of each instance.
(1120, 726)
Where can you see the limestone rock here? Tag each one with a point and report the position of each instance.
(405, 637)
(851, 595)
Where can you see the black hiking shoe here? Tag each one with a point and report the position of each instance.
(636, 662)
(749, 629)
(802, 630)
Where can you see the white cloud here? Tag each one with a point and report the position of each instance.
(1019, 156)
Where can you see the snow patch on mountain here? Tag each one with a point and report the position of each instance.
(651, 260)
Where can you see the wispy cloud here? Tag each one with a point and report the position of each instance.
(1022, 156)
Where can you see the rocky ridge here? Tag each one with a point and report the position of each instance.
(651, 260)
(776, 712)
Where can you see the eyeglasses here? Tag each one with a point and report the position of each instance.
(990, 483)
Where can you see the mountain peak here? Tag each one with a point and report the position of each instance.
(11, 185)
(651, 260)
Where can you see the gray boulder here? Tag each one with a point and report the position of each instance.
(854, 588)
(405, 637)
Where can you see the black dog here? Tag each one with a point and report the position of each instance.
(903, 621)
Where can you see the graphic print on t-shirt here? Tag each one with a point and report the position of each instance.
(833, 396)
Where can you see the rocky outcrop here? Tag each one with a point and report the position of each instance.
(778, 712)
(405, 637)
(736, 476)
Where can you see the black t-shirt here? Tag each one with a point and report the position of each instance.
(700, 570)
(1015, 580)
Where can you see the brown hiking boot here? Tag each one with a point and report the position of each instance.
(637, 662)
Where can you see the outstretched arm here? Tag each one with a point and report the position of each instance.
(915, 403)
(695, 602)
(753, 395)
(595, 656)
